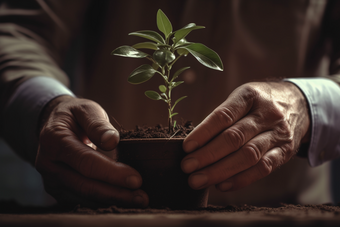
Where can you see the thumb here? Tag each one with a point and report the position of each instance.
(93, 119)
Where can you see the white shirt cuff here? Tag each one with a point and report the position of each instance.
(21, 114)
(323, 97)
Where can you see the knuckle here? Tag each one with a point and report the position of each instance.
(264, 167)
(249, 92)
(286, 149)
(252, 154)
(95, 125)
(283, 132)
(234, 137)
(224, 116)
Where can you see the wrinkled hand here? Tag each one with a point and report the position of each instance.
(72, 170)
(257, 129)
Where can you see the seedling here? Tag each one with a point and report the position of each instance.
(167, 51)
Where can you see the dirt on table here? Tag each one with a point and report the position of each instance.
(12, 207)
(211, 209)
(13, 214)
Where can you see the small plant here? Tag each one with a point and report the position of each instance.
(167, 51)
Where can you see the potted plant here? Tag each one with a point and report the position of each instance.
(158, 160)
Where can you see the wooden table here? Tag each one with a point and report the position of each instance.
(285, 215)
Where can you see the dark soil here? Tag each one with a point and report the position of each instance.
(159, 131)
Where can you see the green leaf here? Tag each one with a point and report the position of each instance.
(146, 45)
(163, 23)
(155, 66)
(173, 115)
(175, 122)
(182, 42)
(153, 95)
(141, 74)
(151, 35)
(162, 88)
(205, 56)
(178, 72)
(175, 84)
(127, 51)
(183, 32)
(177, 101)
(182, 52)
(163, 57)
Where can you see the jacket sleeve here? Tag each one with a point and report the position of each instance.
(323, 95)
(34, 37)
(333, 35)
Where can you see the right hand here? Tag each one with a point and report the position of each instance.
(72, 169)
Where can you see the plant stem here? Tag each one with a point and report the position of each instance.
(169, 99)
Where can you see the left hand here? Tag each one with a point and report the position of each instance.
(257, 129)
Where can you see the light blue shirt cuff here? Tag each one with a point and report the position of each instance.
(22, 113)
(323, 96)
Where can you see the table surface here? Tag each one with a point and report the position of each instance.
(285, 215)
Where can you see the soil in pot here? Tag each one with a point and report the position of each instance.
(158, 161)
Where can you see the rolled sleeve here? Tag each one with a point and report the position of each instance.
(323, 97)
(21, 114)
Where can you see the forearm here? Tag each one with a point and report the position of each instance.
(21, 115)
(34, 36)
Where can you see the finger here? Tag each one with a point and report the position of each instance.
(96, 125)
(248, 156)
(224, 144)
(98, 191)
(268, 163)
(85, 139)
(95, 165)
(235, 107)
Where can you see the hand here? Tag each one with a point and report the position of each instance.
(257, 129)
(72, 170)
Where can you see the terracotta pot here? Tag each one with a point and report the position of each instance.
(158, 162)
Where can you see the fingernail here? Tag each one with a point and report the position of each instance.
(138, 200)
(199, 180)
(190, 165)
(107, 136)
(225, 186)
(190, 146)
(133, 181)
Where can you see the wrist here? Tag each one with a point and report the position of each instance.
(49, 107)
(302, 104)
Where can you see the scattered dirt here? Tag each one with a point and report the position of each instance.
(12, 207)
(283, 208)
(159, 131)
(13, 214)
